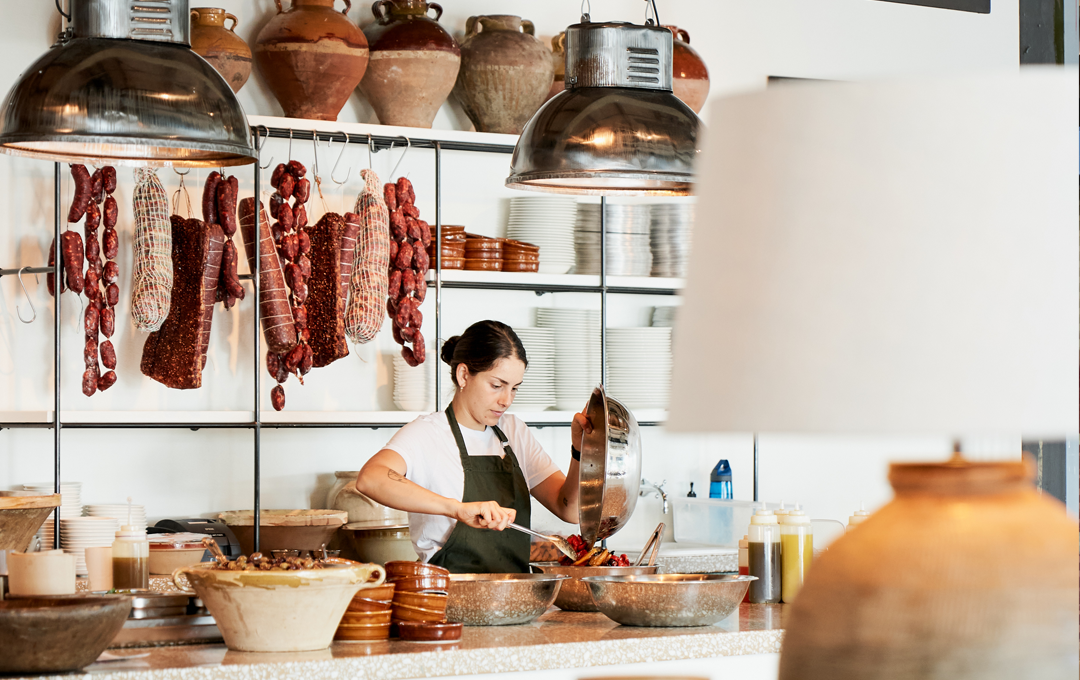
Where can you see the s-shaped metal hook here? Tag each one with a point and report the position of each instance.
(28, 300)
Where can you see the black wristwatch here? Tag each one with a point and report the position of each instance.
(574, 453)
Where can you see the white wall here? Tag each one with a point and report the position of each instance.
(189, 473)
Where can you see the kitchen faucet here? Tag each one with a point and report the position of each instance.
(646, 485)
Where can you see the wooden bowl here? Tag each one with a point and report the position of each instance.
(397, 569)
(360, 633)
(521, 266)
(483, 254)
(285, 529)
(418, 583)
(404, 612)
(473, 242)
(512, 244)
(58, 634)
(429, 632)
(431, 599)
(383, 593)
(483, 265)
(451, 263)
(366, 618)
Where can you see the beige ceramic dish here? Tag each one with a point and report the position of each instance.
(279, 611)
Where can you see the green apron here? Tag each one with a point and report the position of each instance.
(488, 478)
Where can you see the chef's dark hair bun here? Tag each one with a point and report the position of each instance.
(481, 346)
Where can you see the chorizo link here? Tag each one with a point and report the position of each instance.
(83, 189)
(210, 198)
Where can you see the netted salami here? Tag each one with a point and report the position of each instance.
(368, 283)
(152, 266)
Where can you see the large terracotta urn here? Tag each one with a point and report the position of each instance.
(312, 58)
(505, 74)
(558, 62)
(690, 77)
(414, 63)
(968, 573)
(227, 52)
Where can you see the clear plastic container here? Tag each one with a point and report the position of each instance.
(796, 552)
(763, 558)
(711, 521)
(131, 559)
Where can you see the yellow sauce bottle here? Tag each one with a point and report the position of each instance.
(796, 552)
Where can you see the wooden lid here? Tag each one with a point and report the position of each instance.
(960, 477)
(285, 518)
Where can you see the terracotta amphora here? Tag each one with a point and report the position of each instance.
(414, 63)
(312, 58)
(690, 76)
(969, 573)
(558, 62)
(227, 52)
(505, 74)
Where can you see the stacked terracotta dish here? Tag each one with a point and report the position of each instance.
(418, 608)
(483, 253)
(518, 256)
(453, 247)
(368, 615)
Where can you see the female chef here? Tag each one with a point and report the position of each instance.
(468, 471)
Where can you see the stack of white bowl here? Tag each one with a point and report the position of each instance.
(413, 389)
(70, 506)
(537, 391)
(664, 316)
(669, 238)
(119, 512)
(79, 533)
(627, 238)
(547, 222)
(577, 353)
(639, 366)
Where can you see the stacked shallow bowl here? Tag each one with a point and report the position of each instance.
(368, 615)
(79, 533)
(577, 353)
(412, 385)
(547, 222)
(537, 391)
(519, 256)
(119, 512)
(627, 238)
(418, 609)
(639, 366)
(483, 254)
(669, 238)
(453, 247)
(70, 506)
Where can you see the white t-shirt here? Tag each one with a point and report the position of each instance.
(432, 461)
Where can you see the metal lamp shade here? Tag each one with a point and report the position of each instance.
(102, 100)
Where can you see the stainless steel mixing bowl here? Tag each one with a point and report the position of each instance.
(668, 599)
(574, 594)
(500, 599)
(609, 475)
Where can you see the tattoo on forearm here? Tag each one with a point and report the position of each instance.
(565, 501)
(395, 476)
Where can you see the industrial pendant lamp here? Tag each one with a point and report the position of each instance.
(122, 86)
(618, 127)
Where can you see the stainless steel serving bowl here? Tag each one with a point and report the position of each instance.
(610, 471)
(574, 594)
(500, 599)
(668, 599)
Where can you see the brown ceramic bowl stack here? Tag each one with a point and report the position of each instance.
(518, 256)
(420, 592)
(453, 247)
(482, 253)
(368, 615)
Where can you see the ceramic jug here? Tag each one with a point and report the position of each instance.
(505, 74)
(226, 51)
(690, 77)
(413, 63)
(312, 58)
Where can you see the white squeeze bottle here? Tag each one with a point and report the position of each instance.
(860, 516)
(131, 557)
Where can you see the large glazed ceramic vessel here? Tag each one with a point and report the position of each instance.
(968, 573)
(227, 52)
(414, 63)
(505, 75)
(690, 77)
(312, 58)
(558, 62)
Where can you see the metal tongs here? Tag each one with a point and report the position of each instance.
(654, 543)
(561, 543)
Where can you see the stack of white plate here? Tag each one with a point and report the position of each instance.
(79, 533)
(537, 391)
(669, 237)
(639, 366)
(547, 222)
(413, 389)
(627, 238)
(577, 354)
(119, 512)
(664, 316)
(70, 506)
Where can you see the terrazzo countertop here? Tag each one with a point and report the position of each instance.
(557, 640)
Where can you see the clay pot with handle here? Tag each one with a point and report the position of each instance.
(414, 63)
(227, 52)
(312, 58)
(505, 74)
(690, 76)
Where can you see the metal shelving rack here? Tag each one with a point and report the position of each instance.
(378, 143)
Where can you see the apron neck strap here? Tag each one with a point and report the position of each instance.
(456, 430)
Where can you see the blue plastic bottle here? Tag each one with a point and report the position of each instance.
(720, 481)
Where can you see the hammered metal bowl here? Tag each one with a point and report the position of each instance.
(500, 599)
(668, 599)
(574, 594)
